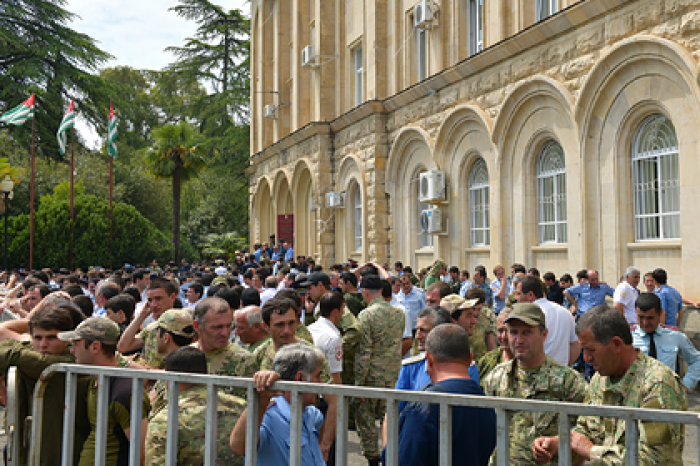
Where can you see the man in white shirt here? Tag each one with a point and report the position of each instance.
(325, 332)
(561, 343)
(269, 291)
(626, 294)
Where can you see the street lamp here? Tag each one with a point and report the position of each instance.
(6, 186)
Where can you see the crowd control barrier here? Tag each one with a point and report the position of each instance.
(344, 394)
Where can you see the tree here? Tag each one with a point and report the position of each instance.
(219, 55)
(175, 156)
(40, 54)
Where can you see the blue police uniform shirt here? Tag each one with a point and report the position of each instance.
(671, 303)
(414, 376)
(669, 343)
(273, 448)
(466, 284)
(289, 255)
(589, 297)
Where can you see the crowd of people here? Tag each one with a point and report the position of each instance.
(271, 316)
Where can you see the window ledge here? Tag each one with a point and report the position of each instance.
(654, 245)
(479, 249)
(553, 247)
(429, 250)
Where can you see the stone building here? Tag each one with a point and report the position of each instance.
(567, 131)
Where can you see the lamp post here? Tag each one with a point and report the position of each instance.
(6, 186)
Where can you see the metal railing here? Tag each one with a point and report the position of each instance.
(343, 393)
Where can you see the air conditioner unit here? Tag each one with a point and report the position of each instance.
(431, 220)
(270, 111)
(335, 200)
(423, 14)
(433, 187)
(307, 55)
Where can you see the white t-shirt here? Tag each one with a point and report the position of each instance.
(627, 295)
(561, 330)
(327, 338)
(268, 293)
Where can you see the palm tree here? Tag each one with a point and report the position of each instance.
(174, 155)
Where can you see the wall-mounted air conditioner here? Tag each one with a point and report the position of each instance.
(307, 55)
(433, 187)
(335, 200)
(431, 220)
(270, 111)
(423, 14)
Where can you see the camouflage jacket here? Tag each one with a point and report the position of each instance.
(228, 361)
(150, 348)
(378, 354)
(302, 332)
(488, 362)
(265, 354)
(650, 384)
(354, 302)
(549, 382)
(191, 429)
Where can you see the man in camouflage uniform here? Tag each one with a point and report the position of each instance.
(280, 316)
(625, 377)
(175, 330)
(377, 360)
(192, 405)
(161, 296)
(503, 353)
(353, 299)
(484, 337)
(534, 376)
(213, 322)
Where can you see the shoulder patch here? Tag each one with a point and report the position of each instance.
(413, 359)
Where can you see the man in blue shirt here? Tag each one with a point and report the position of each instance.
(500, 287)
(289, 253)
(662, 343)
(411, 298)
(448, 359)
(671, 300)
(298, 362)
(589, 294)
(480, 282)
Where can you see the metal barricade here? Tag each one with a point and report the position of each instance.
(343, 393)
(12, 420)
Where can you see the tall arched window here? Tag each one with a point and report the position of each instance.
(479, 205)
(656, 180)
(551, 194)
(357, 211)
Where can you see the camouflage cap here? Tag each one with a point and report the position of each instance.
(530, 314)
(220, 280)
(176, 321)
(454, 302)
(96, 328)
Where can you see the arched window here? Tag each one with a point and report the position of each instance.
(479, 204)
(551, 194)
(357, 203)
(656, 180)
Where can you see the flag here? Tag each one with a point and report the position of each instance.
(112, 136)
(67, 123)
(20, 114)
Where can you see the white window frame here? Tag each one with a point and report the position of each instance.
(545, 8)
(421, 54)
(479, 208)
(551, 195)
(476, 26)
(357, 218)
(656, 180)
(358, 75)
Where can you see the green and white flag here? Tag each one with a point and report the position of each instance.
(112, 136)
(20, 114)
(67, 123)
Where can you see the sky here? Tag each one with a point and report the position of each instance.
(135, 32)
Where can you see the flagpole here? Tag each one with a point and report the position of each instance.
(31, 203)
(111, 186)
(72, 221)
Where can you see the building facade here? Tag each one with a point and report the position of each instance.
(567, 132)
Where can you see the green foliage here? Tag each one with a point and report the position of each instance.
(222, 246)
(40, 54)
(136, 240)
(175, 150)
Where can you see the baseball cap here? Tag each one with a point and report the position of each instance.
(220, 280)
(529, 313)
(316, 277)
(220, 270)
(176, 321)
(454, 302)
(94, 329)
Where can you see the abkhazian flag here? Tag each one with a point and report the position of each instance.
(20, 114)
(67, 123)
(112, 136)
